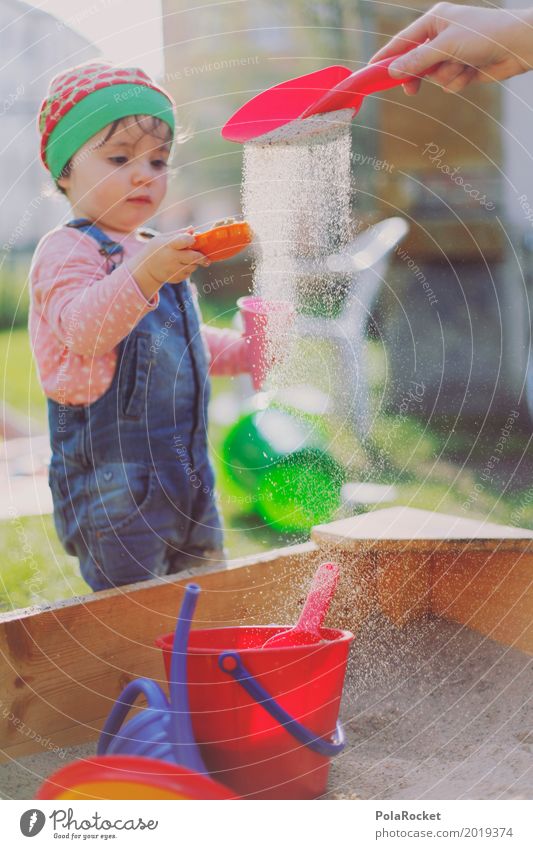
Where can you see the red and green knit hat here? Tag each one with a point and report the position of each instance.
(86, 98)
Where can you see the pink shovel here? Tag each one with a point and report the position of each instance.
(307, 629)
(317, 93)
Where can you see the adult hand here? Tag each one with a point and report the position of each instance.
(469, 44)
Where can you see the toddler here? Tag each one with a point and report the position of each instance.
(116, 332)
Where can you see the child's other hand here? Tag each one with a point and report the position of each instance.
(470, 43)
(167, 258)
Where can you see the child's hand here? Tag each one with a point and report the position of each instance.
(167, 258)
(471, 45)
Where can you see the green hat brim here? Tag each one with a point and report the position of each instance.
(96, 111)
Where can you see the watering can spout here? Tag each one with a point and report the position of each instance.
(185, 749)
(164, 729)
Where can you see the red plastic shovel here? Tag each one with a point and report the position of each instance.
(328, 90)
(307, 629)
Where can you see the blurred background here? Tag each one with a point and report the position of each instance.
(439, 322)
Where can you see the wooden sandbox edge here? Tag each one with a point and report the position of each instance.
(63, 665)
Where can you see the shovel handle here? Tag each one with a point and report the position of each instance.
(318, 599)
(349, 93)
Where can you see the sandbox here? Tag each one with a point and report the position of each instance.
(437, 702)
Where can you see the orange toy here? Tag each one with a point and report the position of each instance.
(225, 239)
(129, 777)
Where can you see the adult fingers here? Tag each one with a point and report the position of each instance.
(461, 80)
(416, 33)
(423, 57)
(446, 72)
(412, 87)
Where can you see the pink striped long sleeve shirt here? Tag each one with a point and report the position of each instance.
(79, 314)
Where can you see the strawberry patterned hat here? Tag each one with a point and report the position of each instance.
(83, 100)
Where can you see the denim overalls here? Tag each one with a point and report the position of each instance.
(132, 484)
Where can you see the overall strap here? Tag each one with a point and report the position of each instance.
(112, 251)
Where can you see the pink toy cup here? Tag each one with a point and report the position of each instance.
(266, 326)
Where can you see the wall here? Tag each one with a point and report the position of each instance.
(35, 47)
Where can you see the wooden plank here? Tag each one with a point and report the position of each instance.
(62, 667)
(403, 587)
(402, 528)
(490, 592)
(474, 572)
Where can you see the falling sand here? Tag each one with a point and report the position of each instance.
(296, 195)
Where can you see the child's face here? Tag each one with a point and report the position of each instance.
(120, 183)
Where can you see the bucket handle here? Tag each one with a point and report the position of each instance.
(231, 663)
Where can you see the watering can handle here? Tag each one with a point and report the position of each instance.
(154, 696)
(231, 663)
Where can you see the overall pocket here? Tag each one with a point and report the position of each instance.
(118, 494)
(133, 374)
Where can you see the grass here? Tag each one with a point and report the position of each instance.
(35, 568)
(426, 465)
(14, 294)
(20, 384)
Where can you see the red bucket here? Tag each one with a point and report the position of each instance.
(265, 719)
